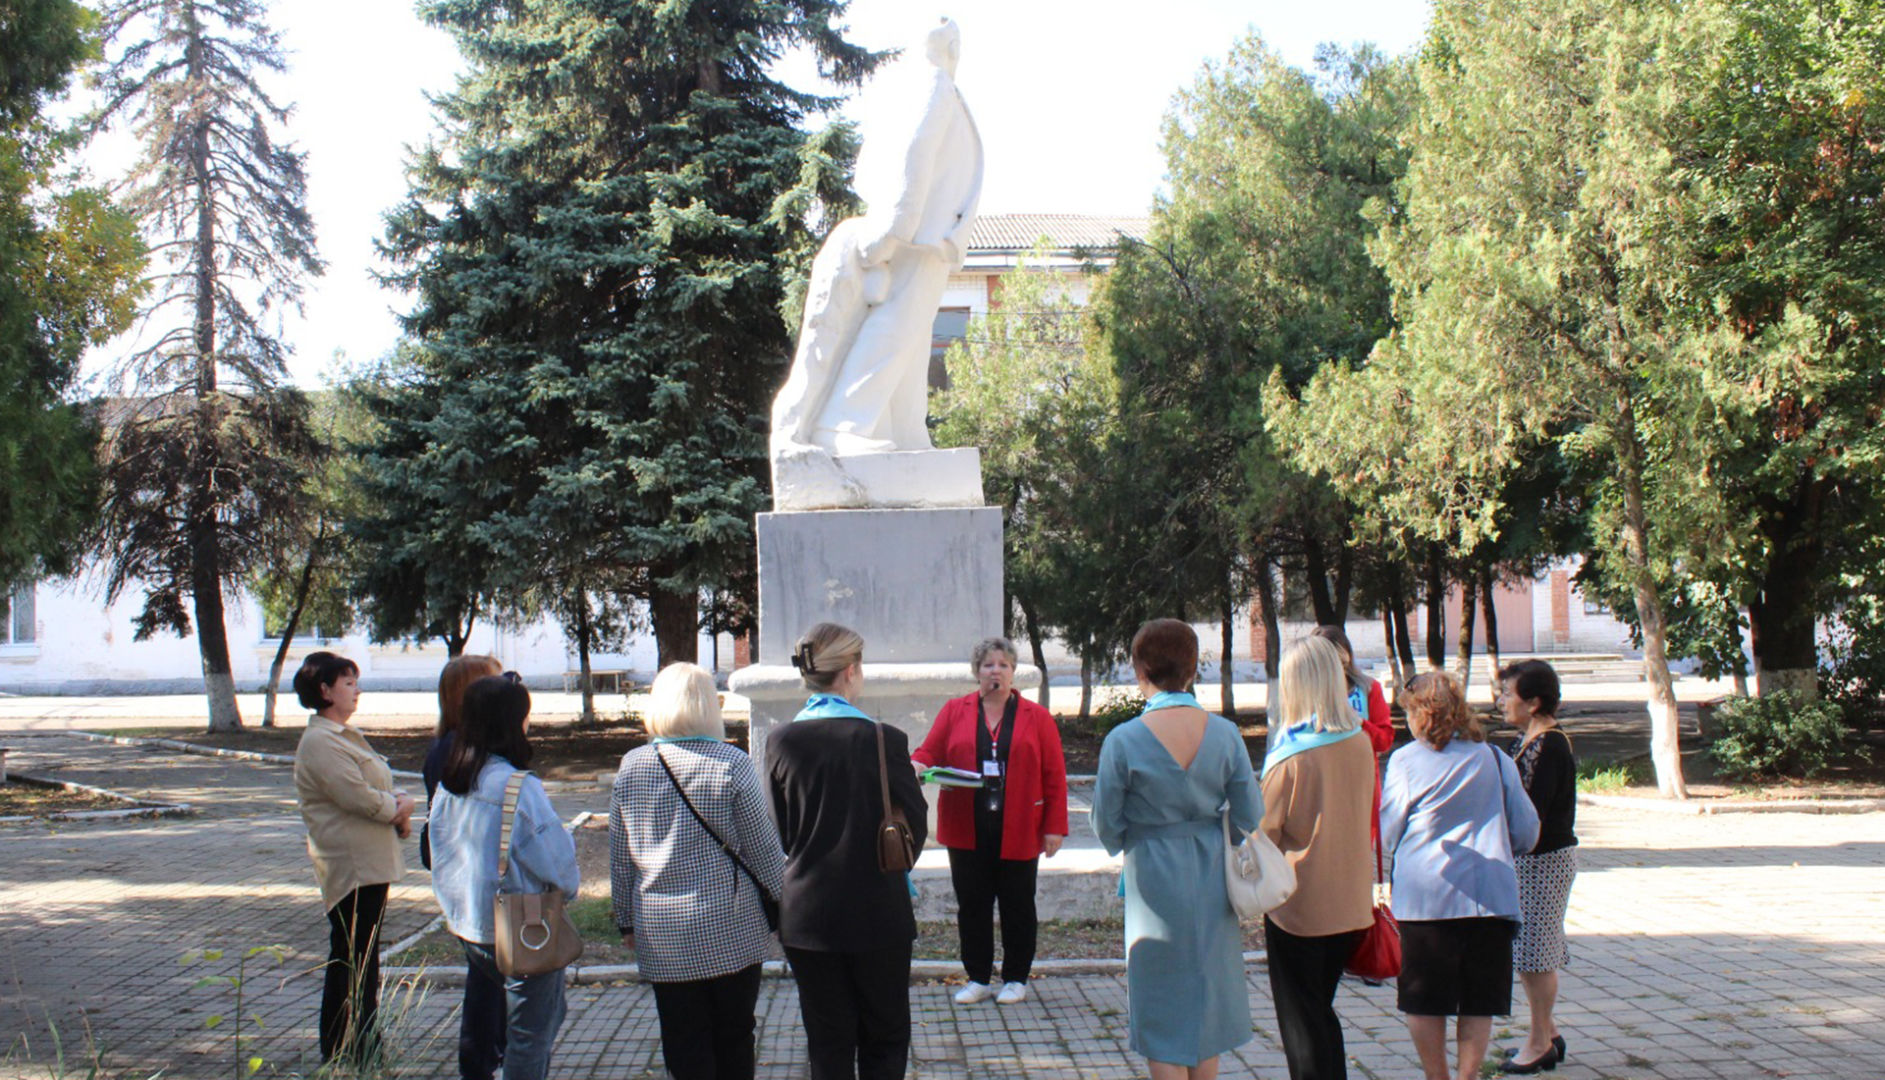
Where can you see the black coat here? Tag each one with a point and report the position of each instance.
(828, 804)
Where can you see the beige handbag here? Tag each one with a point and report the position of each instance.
(534, 934)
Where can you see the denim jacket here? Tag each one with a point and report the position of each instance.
(465, 830)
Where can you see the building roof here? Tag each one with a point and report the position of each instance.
(1064, 232)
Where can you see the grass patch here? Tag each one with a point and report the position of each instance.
(1601, 778)
(35, 800)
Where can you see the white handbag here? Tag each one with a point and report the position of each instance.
(1256, 873)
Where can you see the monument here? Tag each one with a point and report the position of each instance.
(872, 526)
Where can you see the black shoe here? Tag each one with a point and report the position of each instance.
(1545, 1062)
(1557, 1043)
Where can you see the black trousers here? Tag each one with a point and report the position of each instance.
(350, 988)
(856, 1007)
(483, 1025)
(1304, 972)
(707, 1025)
(982, 879)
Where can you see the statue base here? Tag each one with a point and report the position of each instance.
(811, 478)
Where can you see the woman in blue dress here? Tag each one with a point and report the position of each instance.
(1163, 782)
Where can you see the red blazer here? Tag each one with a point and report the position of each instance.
(1035, 790)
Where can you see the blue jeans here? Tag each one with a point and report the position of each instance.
(534, 1010)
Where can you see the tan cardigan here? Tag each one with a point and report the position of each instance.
(1316, 806)
(346, 795)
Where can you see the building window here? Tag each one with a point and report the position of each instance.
(17, 616)
(951, 326)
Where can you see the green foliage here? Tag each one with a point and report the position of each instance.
(69, 269)
(601, 244)
(1852, 670)
(1600, 778)
(1781, 734)
(1119, 707)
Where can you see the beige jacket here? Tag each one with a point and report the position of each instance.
(1316, 807)
(346, 795)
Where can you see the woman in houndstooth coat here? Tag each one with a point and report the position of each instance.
(689, 908)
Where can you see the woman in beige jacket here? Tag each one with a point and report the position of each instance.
(1318, 795)
(355, 819)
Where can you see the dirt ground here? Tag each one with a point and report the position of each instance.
(35, 800)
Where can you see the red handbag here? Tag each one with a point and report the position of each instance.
(1377, 955)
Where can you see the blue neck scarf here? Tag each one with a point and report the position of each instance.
(827, 707)
(1297, 738)
(1171, 699)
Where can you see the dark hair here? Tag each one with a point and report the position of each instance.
(1534, 680)
(458, 673)
(1335, 635)
(495, 709)
(319, 671)
(1165, 654)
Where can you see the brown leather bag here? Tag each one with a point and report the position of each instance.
(896, 844)
(534, 934)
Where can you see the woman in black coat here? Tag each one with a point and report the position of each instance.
(847, 926)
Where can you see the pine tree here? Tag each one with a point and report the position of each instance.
(202, 465)
(69, 263)
(604, 250)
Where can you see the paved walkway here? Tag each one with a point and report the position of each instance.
(1742, 946)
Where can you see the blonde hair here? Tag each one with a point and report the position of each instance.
(1437, 712)
(824, 652)
(460, 672)
(1313, 685)
(683, 701)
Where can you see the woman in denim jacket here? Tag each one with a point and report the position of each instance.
(466, 821)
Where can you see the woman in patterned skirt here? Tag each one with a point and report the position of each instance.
(1529, 700)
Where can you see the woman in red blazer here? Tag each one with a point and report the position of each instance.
(996, 834)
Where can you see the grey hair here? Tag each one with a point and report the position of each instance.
(989, 645)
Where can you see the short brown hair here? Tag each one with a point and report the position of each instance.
(1437, 712)
(460, 672)
(1165, 654)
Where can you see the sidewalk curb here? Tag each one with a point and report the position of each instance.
(140, 808)
(204, 751)
(920, 971)
(1694, 807)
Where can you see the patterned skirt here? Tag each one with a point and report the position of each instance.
(1544, 889)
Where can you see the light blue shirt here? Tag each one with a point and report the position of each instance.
(1452, 820)
(465, 831)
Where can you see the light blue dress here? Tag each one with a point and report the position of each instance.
(1184, 950)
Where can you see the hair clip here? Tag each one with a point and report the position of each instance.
(804, 660)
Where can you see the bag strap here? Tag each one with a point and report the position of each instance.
(512, 788)
(724, 846)
(883, 769)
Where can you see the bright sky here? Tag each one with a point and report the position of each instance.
(1068, 95)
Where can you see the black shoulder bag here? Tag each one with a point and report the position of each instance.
(767, 902)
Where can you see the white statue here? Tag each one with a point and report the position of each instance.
(859, 381)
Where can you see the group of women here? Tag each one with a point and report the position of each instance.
(708, 862)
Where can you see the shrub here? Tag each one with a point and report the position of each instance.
(1852, 664)
(1601, 778)
(1119, 707)
(1780, 735)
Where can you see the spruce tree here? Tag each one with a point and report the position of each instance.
(604, 249)
(202, 465)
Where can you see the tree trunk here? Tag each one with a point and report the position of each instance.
(1227, 621)
(582, 657)
(1785, 608)
(1665, 749)
(1387, 640)
(1402, 645)
(1469, 598)
(1436, 607)
(1316, 570)
(1344, 579)
(458, 634)
(1491, 609)
(1086, 686)
(1032, 624)
(676, 617)
(1266, 608)
(288, 631)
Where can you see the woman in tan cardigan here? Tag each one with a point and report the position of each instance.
(355, 819)
(1318, 795)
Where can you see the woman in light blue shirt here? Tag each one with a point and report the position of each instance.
(466, 821)
(1453, 816)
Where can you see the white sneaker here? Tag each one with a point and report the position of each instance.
(1011, 993)
(975, 993)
